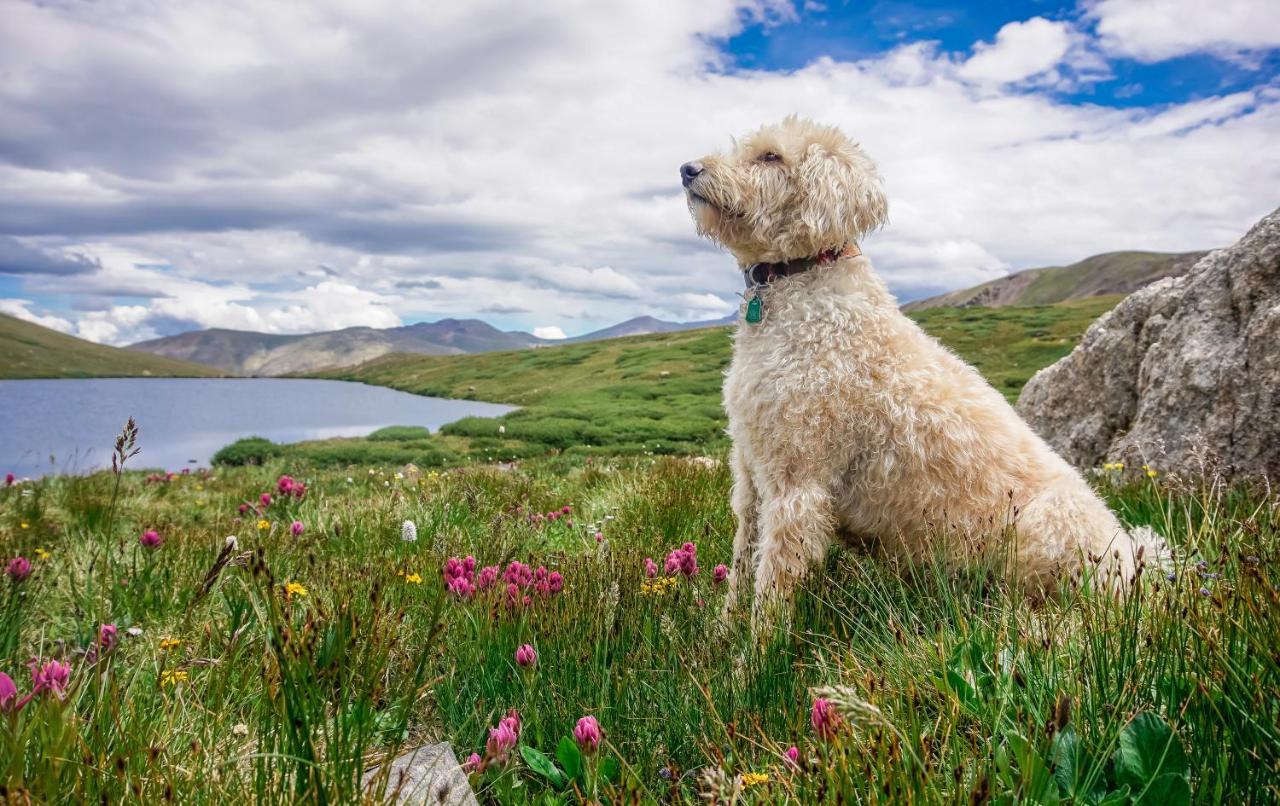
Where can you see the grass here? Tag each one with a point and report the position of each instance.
(282, 669)
(30, 351)
(656, 394)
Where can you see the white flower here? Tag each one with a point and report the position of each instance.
(409, 532)
(134, 632)
(231, 543)
(502, 429)
(350, 480)
(240, 729)
(399, 476)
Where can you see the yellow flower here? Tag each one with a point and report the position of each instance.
(295, 589)
(170, 643)
(199, 488)
(755, 778)
(264, 524)
(171, 677)
(42, 554)
(1113, 466)
(26, 525)
(657, 587)
(1151, 471)
(414, 579)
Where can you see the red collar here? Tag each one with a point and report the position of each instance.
(758, 274)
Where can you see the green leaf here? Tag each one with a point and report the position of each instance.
(1065, 755)
(1116, 798)
(542, 764)
(1169, 789)
(1148, 748)
(610, 769)
(570, 757)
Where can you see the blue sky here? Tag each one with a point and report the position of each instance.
(175, 166)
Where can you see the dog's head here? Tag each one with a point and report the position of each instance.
(786, 191)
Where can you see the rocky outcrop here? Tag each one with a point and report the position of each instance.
(1182, 375)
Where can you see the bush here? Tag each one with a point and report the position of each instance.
(247, 451)
(400, 433)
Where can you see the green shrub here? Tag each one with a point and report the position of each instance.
(400, 433)
(247, 451)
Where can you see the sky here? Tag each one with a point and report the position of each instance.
(293, 167)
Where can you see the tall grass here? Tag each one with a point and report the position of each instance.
(949, 686)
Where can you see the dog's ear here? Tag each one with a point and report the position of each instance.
(844, 194)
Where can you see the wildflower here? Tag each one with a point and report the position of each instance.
(240, 729)
(108, 637)
(25, 525)
(1204, 591)
(792, 757)
(133, 632)
(167, 644)
(263, 525)
(750, 779)
(265, 499)
(526, 656)
(409, 532)
(172, 677)
(231, 543)
(9, 479)
(41, 554)
(566, 509)
(472, 764)
(243, 509)
(293, 589)
(502, 740)
(19, 569)
(599, 537)
(487, 576)
(824, 718)
(413, 579)
(151, 539)
(284, 485)
(8, 693)
(587, 734)
(51, 676)
(556, 581)
(1151, 472)
(720, 573)
(297, 528)
(650, 568)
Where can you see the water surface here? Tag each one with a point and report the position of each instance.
(69, 426)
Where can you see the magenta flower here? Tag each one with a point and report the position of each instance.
(650, 568)
(297, 528)
(599, 537)
(19, 569)
(526, 656)
(792, 757)
(487, 576)
(824, 718)
(472, 764)
(9, 479)
(8, 693)
(720, 573)
(108, 637)
(587, 734)
(502, 740)
(566, 509)
(284, 485)
(556, 581)
(244, 508)
(51, 677)
(683, 560)
(151, 539)
(265, 499)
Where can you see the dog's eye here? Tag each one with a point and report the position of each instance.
(769, 156)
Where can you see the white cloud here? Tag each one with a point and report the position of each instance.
(1021, 50)
(1155, 30)
(21, 309)
(549, 332)
(286, 168)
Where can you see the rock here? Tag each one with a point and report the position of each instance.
(1183, 375)
(427, 775)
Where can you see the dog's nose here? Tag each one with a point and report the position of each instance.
(689, 172)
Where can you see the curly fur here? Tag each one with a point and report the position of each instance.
(849, 421)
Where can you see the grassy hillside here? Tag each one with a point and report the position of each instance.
(1109, 274)
(280, 671)
(28, 350)
(656, 393)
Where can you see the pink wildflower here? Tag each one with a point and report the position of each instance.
(285, 485)
(8, 693)
(19, 569)
(9, 479)
(683, 560)
(566, 509)
(526, 656)
(487, 576)
(720, 573)
(599, 537)
(556, 581)
(297, 528)
(108, 637)
(151, 539)
(244, 509)
(824, 718)
(792, 757)
(502, 740)
(265, 499)
(472, 764)
(650, 568)
(587, 734)
(51, 677)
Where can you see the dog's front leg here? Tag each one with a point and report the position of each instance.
(745, 502)
(796, 521)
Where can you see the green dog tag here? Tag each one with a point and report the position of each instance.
(755, 309)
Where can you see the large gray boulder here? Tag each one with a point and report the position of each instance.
(1183, 375)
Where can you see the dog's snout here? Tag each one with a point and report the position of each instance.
(689, 172)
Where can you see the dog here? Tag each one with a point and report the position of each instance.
(846, 419)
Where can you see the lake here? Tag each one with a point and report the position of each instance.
(70, 426)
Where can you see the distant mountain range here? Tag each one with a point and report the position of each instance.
(1101, 275)
(248, 353)
(28, 350)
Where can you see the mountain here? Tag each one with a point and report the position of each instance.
(645, 325)
(249, 353)
(28, 350)
(1107, 274)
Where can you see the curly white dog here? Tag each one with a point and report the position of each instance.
(846, 418)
